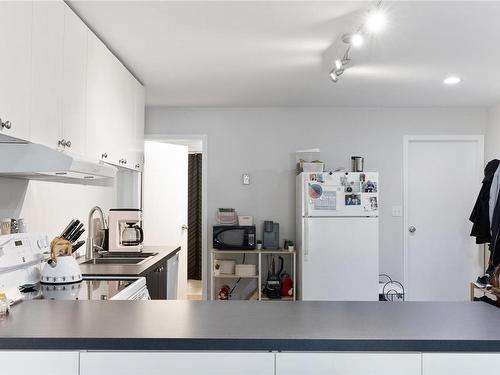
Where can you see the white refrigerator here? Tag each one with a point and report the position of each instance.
(338, 236)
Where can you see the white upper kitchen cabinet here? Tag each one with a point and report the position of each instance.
(74, 87)
(47, 72)
(110, 106)
(102, 142)
(137, 145)
(15, 68)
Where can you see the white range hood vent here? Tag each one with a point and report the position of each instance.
(38, 162)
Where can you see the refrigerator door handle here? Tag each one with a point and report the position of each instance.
(306, 240)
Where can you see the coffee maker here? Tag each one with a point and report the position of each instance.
(271, 236)
(125, 231)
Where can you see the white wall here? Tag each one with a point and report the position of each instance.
(49, 206)
(493, 134)
(262, 142)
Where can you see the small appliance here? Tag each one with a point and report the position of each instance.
(125, 231)
(229, 237)
(272, 288)
(271, 237)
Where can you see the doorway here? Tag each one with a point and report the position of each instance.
(442, 175)
(181, 174)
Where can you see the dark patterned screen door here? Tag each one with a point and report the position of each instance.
(194, 217)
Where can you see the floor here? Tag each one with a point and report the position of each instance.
(194, 292)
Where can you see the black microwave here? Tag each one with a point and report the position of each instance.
(230, 237)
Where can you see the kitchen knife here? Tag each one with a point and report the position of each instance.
(77, 245)
(71, 237)
(73, 230)
(67, 229)
(77, 235)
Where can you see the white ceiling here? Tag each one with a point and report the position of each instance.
(263, 53)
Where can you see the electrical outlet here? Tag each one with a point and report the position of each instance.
(397, 211)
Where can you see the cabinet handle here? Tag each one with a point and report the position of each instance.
(104, 156)
(7, 124)
(67, 144)
(137, 166)
(61, 143)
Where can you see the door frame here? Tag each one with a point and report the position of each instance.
(477, 138)
(204, 195)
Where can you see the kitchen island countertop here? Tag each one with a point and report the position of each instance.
(164, 253)
(245, 325)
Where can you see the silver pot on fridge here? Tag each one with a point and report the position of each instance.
(357, 163)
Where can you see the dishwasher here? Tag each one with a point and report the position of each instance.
(172, 276)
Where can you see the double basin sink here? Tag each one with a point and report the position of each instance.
(121, 258)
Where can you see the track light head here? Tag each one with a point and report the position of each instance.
(355, 40)
(334, 76)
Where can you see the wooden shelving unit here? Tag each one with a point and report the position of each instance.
(260, 278)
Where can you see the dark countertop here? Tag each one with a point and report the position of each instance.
(164, 253)
(245, 325)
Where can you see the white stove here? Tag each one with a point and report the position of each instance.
(22, 256)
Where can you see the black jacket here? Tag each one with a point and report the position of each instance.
(481, 228)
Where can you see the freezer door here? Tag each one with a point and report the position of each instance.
(339, 260)
(321, 200)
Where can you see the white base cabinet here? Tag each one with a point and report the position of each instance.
(39, 362)
(348, 363)
(461, 363)
(176, 363)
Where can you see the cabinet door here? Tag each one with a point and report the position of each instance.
(15, 67)
(176, 363)
(162, 281)
(125, 114)
(348, 364)
(74, 82)
(46, 73)
(38, 362)
(137, 151)
(461, 363)
(101, 126)
(152, 282)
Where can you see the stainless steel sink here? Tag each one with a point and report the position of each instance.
(133, 261)
(113, 254)
(122, 258)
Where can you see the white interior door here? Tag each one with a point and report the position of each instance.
(442, 179)
(165, 199)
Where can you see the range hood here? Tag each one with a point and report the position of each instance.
(38, 162)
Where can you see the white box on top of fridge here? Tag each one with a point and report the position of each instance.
(338, 236)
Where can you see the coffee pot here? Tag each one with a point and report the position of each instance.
(132, 235)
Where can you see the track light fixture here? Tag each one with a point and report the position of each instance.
(374, 22)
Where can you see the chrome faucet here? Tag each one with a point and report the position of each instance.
(90, 238)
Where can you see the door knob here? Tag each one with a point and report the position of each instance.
(412, 229)
(185, 227)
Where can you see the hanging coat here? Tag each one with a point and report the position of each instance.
(480, 216)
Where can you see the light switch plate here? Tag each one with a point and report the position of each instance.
(245, 179)
(397, 211)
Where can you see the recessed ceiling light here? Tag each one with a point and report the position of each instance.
(375, 21)
(452, 80)
(357, 40)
